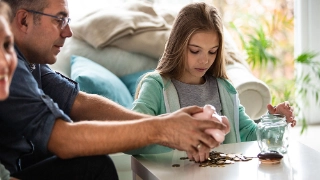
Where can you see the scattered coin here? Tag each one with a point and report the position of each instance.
(236, 159)
(184, 158)
(175, 165)
(219, 159)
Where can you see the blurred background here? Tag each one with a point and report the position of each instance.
(280, 40)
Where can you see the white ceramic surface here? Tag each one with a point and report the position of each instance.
(301, 162)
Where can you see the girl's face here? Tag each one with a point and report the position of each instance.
(8, 58)
(201, 53)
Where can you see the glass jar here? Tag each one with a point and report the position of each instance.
(272, 133)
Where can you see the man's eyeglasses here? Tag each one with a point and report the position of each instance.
(64, 21)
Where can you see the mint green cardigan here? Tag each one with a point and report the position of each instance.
(158, 95)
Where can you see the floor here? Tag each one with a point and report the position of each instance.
(310, 137)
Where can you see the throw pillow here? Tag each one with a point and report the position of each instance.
(131, 80)
(95, 79)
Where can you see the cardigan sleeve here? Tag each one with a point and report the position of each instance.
(247, 126)
(150, 98)
(150, 101)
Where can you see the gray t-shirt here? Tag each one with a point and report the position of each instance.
(200, 95)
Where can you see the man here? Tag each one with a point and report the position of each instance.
(46, 115)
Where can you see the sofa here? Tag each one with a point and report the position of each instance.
(111, 48)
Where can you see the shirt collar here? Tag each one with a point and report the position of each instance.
(31, 66)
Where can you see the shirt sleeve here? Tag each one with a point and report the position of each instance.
(247, 126)
(61, 89)
(149, 101)
(28, 113)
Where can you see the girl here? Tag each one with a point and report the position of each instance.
(192, 71)
(8, 62)
(8, 58)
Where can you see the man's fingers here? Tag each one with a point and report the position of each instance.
(192, 109)
(190, 156)
(207, 155)
(211, 124)
(209, 141)
(202, 157)
(196, 157)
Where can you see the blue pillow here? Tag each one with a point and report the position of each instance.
(131, 82)
(95, 79)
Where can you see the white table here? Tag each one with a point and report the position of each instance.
(301, 162)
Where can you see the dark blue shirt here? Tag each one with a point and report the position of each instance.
(37, 98)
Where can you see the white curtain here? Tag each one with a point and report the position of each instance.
(307, 38)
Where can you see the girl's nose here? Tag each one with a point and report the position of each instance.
(204, 59)
(3, 61)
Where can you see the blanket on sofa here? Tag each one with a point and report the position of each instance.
(136, 27)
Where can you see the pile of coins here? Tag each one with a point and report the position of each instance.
(219, 159)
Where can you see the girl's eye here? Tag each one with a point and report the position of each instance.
(7, 45)
(212, 52)
(194, 52)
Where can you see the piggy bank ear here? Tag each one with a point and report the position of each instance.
(209, 109)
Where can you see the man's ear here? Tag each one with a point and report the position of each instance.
(23, 20)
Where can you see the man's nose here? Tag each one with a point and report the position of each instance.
(66, 32)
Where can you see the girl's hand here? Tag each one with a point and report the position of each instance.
(285, 109)
(200, 156)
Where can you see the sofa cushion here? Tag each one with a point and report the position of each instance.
(254, 94)
(116, 60)
(130, 80)
(95, 79)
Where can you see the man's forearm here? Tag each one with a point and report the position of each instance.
(95, 107)
(88, 138)
(177, 130)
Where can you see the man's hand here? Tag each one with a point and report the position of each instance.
(182, 131)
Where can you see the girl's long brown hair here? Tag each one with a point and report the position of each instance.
(192, 18)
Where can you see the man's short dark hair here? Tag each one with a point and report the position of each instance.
(36, 5)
